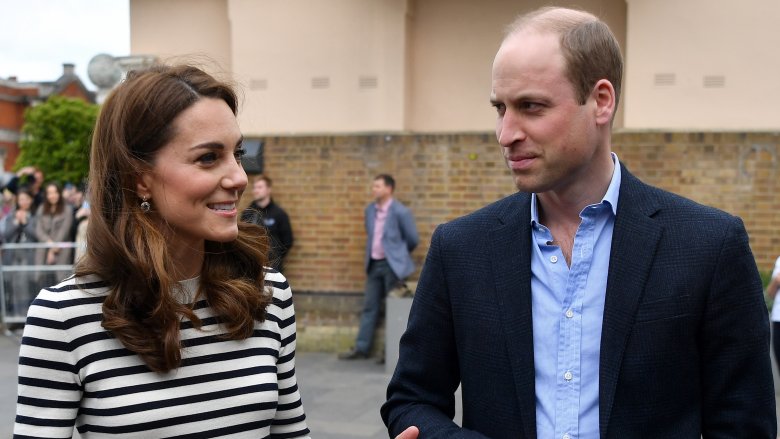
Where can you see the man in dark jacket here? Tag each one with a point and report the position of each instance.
(588, 305)
(264, 212)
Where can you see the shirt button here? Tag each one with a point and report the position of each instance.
(553, 259)
(568, 376)
(566, 436)
(569, 313)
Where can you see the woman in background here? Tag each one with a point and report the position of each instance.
(55, 220)
(19, 228)
(172, 327)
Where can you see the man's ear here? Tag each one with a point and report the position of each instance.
(604, 96)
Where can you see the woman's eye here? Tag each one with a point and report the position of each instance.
(238, 153)
(208, 158)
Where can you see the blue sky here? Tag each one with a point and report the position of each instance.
(38, 36)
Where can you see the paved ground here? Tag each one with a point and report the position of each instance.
(341, 398)
(9, 352)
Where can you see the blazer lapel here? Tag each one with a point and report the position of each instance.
(634, 241)
(511, 262)
(370, 219)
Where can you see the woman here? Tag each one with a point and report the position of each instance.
(171, 326)
(19, 228)
(55, 220)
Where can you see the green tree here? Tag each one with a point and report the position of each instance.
(55, 138)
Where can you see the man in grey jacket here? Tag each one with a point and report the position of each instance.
(391, 237)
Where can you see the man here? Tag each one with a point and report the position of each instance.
(74, 195)
(391, 237)
(264, 212)
(588, 305)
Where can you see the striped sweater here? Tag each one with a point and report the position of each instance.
(73, 372)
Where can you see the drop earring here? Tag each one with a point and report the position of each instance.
(145, 205)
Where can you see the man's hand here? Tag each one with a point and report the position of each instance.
(409, 433)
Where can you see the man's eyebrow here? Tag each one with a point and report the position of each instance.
(521, 98)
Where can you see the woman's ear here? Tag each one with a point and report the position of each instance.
(605, 99)
(143, 185)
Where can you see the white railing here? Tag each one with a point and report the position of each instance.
(21, 279)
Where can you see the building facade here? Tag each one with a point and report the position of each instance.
(16, 97)
(343, 90)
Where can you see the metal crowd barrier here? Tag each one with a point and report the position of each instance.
(21, 279)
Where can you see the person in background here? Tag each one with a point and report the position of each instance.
(68, 189)
(771, 292)
(77, 200)
(391, 238)
(264, 212)
(171, 326)
(8, 203)
(19, 228)
(80, 237)
(588, 305)
(53, 226)
(30, 178)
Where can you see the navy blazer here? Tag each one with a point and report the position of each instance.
(685, 341)
(399, 238)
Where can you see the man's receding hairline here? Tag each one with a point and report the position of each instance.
(549, 20)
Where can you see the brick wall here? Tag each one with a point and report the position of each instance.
(324, 184)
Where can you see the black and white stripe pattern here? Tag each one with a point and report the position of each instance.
(73, 372)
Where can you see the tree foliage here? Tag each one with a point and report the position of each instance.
(55, 138)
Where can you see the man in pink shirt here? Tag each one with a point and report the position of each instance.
(391, 237)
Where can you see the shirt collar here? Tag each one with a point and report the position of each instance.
(385, 206)
(610, 197)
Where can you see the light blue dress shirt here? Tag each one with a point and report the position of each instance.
(568, 309)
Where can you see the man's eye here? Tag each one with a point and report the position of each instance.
(500, 108)
(530, 106)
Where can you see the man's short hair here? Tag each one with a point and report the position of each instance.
(265, 178)
(388, 179)
(590, 49)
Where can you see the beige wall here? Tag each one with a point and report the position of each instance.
(454, 42)
(424, 64)
(692, 39)
(281, 48)
(196, 29)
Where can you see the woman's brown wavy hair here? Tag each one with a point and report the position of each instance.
(126, 247)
